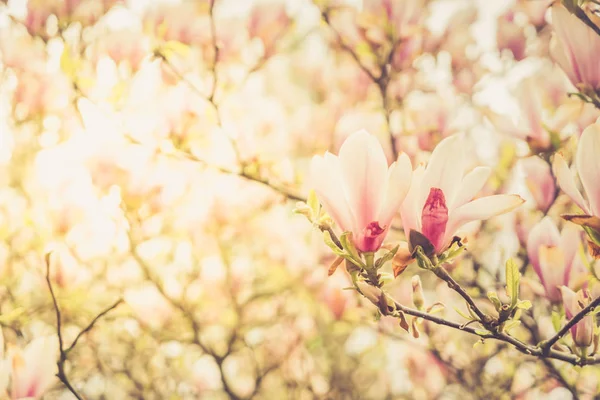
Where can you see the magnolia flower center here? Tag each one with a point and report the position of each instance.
(373, 235)
(434, 217)
(373, 230)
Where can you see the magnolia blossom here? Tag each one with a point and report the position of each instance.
(554, 256)
(358, 189)
(576, 48)
(537, 114)
(583, 331)
(439, 201)
(33, 369)
(511, 36)
(540, 181)
(588, 167)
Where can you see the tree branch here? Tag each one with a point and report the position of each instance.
(545, 346)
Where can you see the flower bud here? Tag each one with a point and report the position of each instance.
(583, 331)
(370, 292)
(417, 293)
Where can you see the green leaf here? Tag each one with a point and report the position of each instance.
(329, 242)
(524, 305)
(313, 203)
(510, 325)
(465, 316)
(386, 257)
(435, 307)
(348, 245)
(482, 332)
(556, 320)
(493, 296)
(513, 277)
(592, 234)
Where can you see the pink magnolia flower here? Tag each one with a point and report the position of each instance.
(576, 48)
(535, 11)
(511, 36)
(540, 182)
(588, 167)
(583, 331)
(268, 22)
(536, 116)
(33, 369)
(554, 256)
(439, 201)
(358, 189)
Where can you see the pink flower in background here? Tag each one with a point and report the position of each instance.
(358, 189)
(576, 48)
(431, 118)
(530, 124)
(511, 36)
(555, 258)
(33, 369)
(268, 22)
(540, 182)
(439, 201)
(583, 331)
(535, 11)
(588, 167)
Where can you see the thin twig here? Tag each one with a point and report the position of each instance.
(92, 323)
(61, 375)
(545, 346)
(503, 337)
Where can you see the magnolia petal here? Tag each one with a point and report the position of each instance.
(530, 102)
(410, 212)
(582, 332)
(570, 242)
(552, 266)
(565, 180)
(363, 170)
(325, 180)
(588, 165)
(471, 184)
(505, 125)
(570, 303)
(34, 369)
(544, 233)
(398, 184)
(445, 168)
(480, 209)
(584, 45)
(540, 181)
(580, 46)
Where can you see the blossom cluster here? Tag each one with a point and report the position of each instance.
(159, 160)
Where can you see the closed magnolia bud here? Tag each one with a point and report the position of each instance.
(370, 292)
(417, 294)
(583, 331)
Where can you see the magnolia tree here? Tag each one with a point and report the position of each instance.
(160, 160)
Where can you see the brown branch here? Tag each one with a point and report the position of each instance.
(502, 337)
(441, 273)
(92, 323)
(346, 47)
(61, 375)
(381, 81)
(545, 346)
(213, 34)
